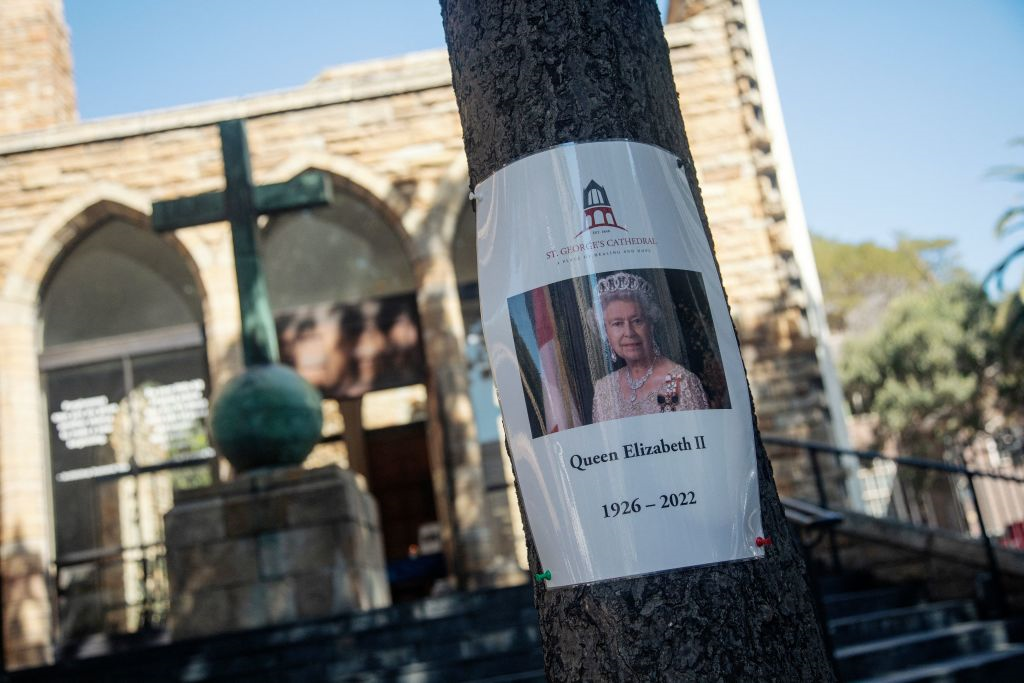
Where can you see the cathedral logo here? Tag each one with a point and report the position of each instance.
(599, 224)
(597, 210)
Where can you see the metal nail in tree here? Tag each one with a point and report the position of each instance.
(268, 415)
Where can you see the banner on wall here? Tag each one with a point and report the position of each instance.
(622, 389)
(347, 350)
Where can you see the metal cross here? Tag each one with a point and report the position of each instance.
(240, 203)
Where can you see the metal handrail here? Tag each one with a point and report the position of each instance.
(920, 463)
(813, 449)
(147, 556)
(94, 555)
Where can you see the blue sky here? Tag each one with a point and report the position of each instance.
(895, 111)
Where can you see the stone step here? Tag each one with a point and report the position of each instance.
(445, 646)
(402, 624)
(455, 627)
(503, 651)
(1004, 664)
(440, 607)
(493, 637)
(831, 584)
(861, 628)
(351, 657)
(864, 602)
(433, 632)
(523, 666)
(907, 651)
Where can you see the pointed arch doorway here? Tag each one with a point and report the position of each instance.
(343, 293)
(124, 371)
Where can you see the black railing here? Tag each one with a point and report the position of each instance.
(111, 592)
(980, 504)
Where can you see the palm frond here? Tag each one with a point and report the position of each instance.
(1005, 224)
(1000, 268)
(1013, 173)
(1010, 326)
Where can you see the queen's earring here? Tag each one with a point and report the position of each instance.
(657, 349)
(615, 359)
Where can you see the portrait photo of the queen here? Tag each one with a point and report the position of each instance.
(648, 381)
(616, 345)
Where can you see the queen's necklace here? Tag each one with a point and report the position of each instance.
(635, 385)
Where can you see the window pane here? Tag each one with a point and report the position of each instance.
(84, 407)
(343, 253)
(118, 280)
(97, 433)
(170, 406)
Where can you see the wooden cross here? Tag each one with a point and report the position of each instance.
(241, 203)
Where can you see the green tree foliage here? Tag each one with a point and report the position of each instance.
(927, 370)
(926, 351)
(859, 280)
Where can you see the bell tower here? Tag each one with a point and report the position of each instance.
(597, 209)
(748, 181)
(37, 87)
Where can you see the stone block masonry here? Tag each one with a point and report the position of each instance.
(272, 547)
(36, 86)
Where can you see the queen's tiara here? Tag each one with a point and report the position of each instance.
(624, 282)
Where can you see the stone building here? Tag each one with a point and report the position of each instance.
(104, 326)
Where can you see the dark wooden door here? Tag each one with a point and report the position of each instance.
(399, 477)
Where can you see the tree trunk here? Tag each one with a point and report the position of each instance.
(531, 74)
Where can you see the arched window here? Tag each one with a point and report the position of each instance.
(343, 294)
(124, 368)
(343, 253)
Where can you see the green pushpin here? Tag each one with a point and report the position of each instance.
(546, 576)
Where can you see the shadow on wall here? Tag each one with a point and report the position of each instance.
(785, 379)
(28, 593)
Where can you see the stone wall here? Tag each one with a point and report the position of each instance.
(947, 565)
(36, 85)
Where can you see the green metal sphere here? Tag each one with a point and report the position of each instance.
(266, 417)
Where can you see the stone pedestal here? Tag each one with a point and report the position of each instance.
(273, 546)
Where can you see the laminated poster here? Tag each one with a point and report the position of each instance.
(621, 384)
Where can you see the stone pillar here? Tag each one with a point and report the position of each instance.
(38, 89)
(476, 563)
(734, 122)
(25, 530)
(273, 546)
(355, 435)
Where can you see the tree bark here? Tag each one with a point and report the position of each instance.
(531, 74)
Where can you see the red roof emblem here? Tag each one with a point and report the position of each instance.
(597, 210)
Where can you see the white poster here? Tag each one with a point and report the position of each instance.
(620, 378)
